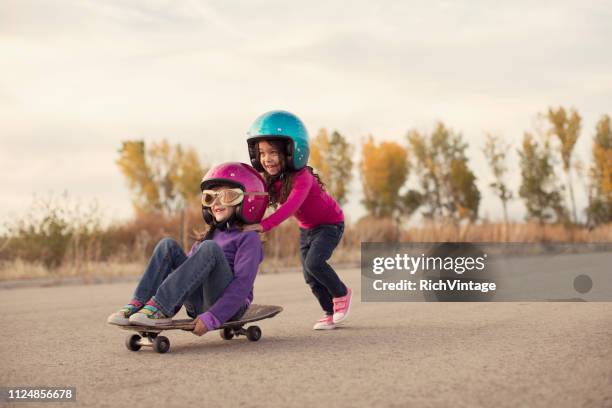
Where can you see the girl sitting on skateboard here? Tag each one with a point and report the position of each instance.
(278, 147)
(215, 279)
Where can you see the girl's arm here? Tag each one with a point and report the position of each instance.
(248, 257)
(302, 183)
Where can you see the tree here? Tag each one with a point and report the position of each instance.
(331, 158)
(447, 185)
(319, 149)
(538, 187)
(384, 169)
(162, 178)
(599, 210)
(495, 152)
(567, 129)
(133, 164)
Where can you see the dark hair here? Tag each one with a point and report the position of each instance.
(207, 233)
(286, 176)
(202, 235)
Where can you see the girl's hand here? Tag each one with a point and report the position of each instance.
(253, 227)
(200, 328)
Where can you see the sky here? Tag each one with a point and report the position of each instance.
(78, 77)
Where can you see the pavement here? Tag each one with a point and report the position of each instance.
(534, 354)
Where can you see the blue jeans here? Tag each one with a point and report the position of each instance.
(316, 247)
(172, 279)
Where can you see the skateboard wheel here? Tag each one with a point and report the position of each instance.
(161, 344)
(226, 333)
(132, 342)
(253, 333)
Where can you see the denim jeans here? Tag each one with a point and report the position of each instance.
(316, 247)
(172, 279)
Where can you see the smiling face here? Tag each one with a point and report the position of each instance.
(270, 157)
(221, 212)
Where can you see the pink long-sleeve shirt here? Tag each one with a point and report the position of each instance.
(310, 205)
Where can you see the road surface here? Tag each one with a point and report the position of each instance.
(388, 355)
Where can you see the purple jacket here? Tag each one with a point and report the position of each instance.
(244, 253)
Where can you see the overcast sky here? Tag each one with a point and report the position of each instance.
(77, 77)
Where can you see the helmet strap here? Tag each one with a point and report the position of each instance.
(277, 177)
(208, 217)
(226, 224)
(289, 155)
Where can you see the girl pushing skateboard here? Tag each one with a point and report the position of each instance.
(215, 279)
(278, 147)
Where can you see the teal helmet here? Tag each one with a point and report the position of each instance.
(280, 125)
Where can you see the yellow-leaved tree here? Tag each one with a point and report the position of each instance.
(331, 159)
(384, 169)
(599, 210)
(163, 178)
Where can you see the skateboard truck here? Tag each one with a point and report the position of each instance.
(252, 333)
(160, 344)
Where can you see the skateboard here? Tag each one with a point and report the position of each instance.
(148, 336)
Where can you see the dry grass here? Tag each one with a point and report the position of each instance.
(132, 244)
(20, 270)
(526, 232)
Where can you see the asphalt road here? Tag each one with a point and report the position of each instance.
(388, 355)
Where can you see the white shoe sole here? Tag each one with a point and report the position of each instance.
(324, 327)
(143, 320)
(118, 320)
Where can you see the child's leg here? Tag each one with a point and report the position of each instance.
(204, 296)
(323, 240)
(320, 291)
(206, 271)
(194, 303)
(167, 256)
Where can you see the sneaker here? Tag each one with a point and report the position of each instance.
(342, 307)
(121, 318)
(150, 316)
(326, 323)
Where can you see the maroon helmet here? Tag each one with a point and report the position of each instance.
(240, 175)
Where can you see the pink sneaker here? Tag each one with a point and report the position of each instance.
(342, 306)
(326, 323)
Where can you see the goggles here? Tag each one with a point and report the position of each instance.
(227, 197)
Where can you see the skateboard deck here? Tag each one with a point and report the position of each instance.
(148, 336)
